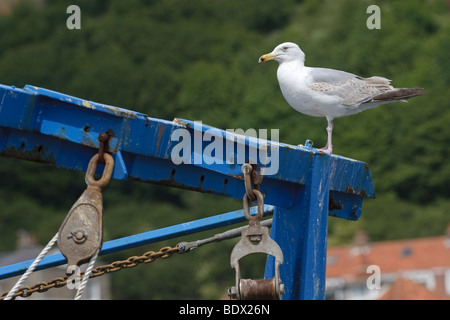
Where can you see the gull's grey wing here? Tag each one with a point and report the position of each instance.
(352, 89)
(330, 75)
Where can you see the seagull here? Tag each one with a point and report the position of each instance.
(329, 93)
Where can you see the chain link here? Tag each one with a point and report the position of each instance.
(147, 257)
(251, 176)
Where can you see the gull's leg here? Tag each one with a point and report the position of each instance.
(329, 146)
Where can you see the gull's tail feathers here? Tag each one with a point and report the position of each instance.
(398, 94)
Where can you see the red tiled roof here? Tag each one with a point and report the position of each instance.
(404, 289)
(390, 256)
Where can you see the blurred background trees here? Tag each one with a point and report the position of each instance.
(197, 60)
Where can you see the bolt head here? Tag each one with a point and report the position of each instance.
(79, 236)
(232, 293)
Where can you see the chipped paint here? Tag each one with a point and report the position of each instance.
(158, 142)
(87, 104)
(119, 112)
(184, 124)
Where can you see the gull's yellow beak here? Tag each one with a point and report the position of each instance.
(267, 57)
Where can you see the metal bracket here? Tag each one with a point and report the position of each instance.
(247, 289)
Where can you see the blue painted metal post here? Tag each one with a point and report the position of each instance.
(301, 232)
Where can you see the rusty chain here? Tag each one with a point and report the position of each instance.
(251, 175)
(147, 257)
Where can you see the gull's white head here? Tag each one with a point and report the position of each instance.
(284, 52)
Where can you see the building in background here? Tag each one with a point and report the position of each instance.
(411, 269)
(96, 289)
(7, 6)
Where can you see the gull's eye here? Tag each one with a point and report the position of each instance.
(285, 48)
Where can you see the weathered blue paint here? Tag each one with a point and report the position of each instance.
(46, 126)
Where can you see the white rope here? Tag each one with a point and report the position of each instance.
(31, 268)
(87, 274)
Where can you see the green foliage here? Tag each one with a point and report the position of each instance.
(198, 60)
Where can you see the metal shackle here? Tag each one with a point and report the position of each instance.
(107, 172)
